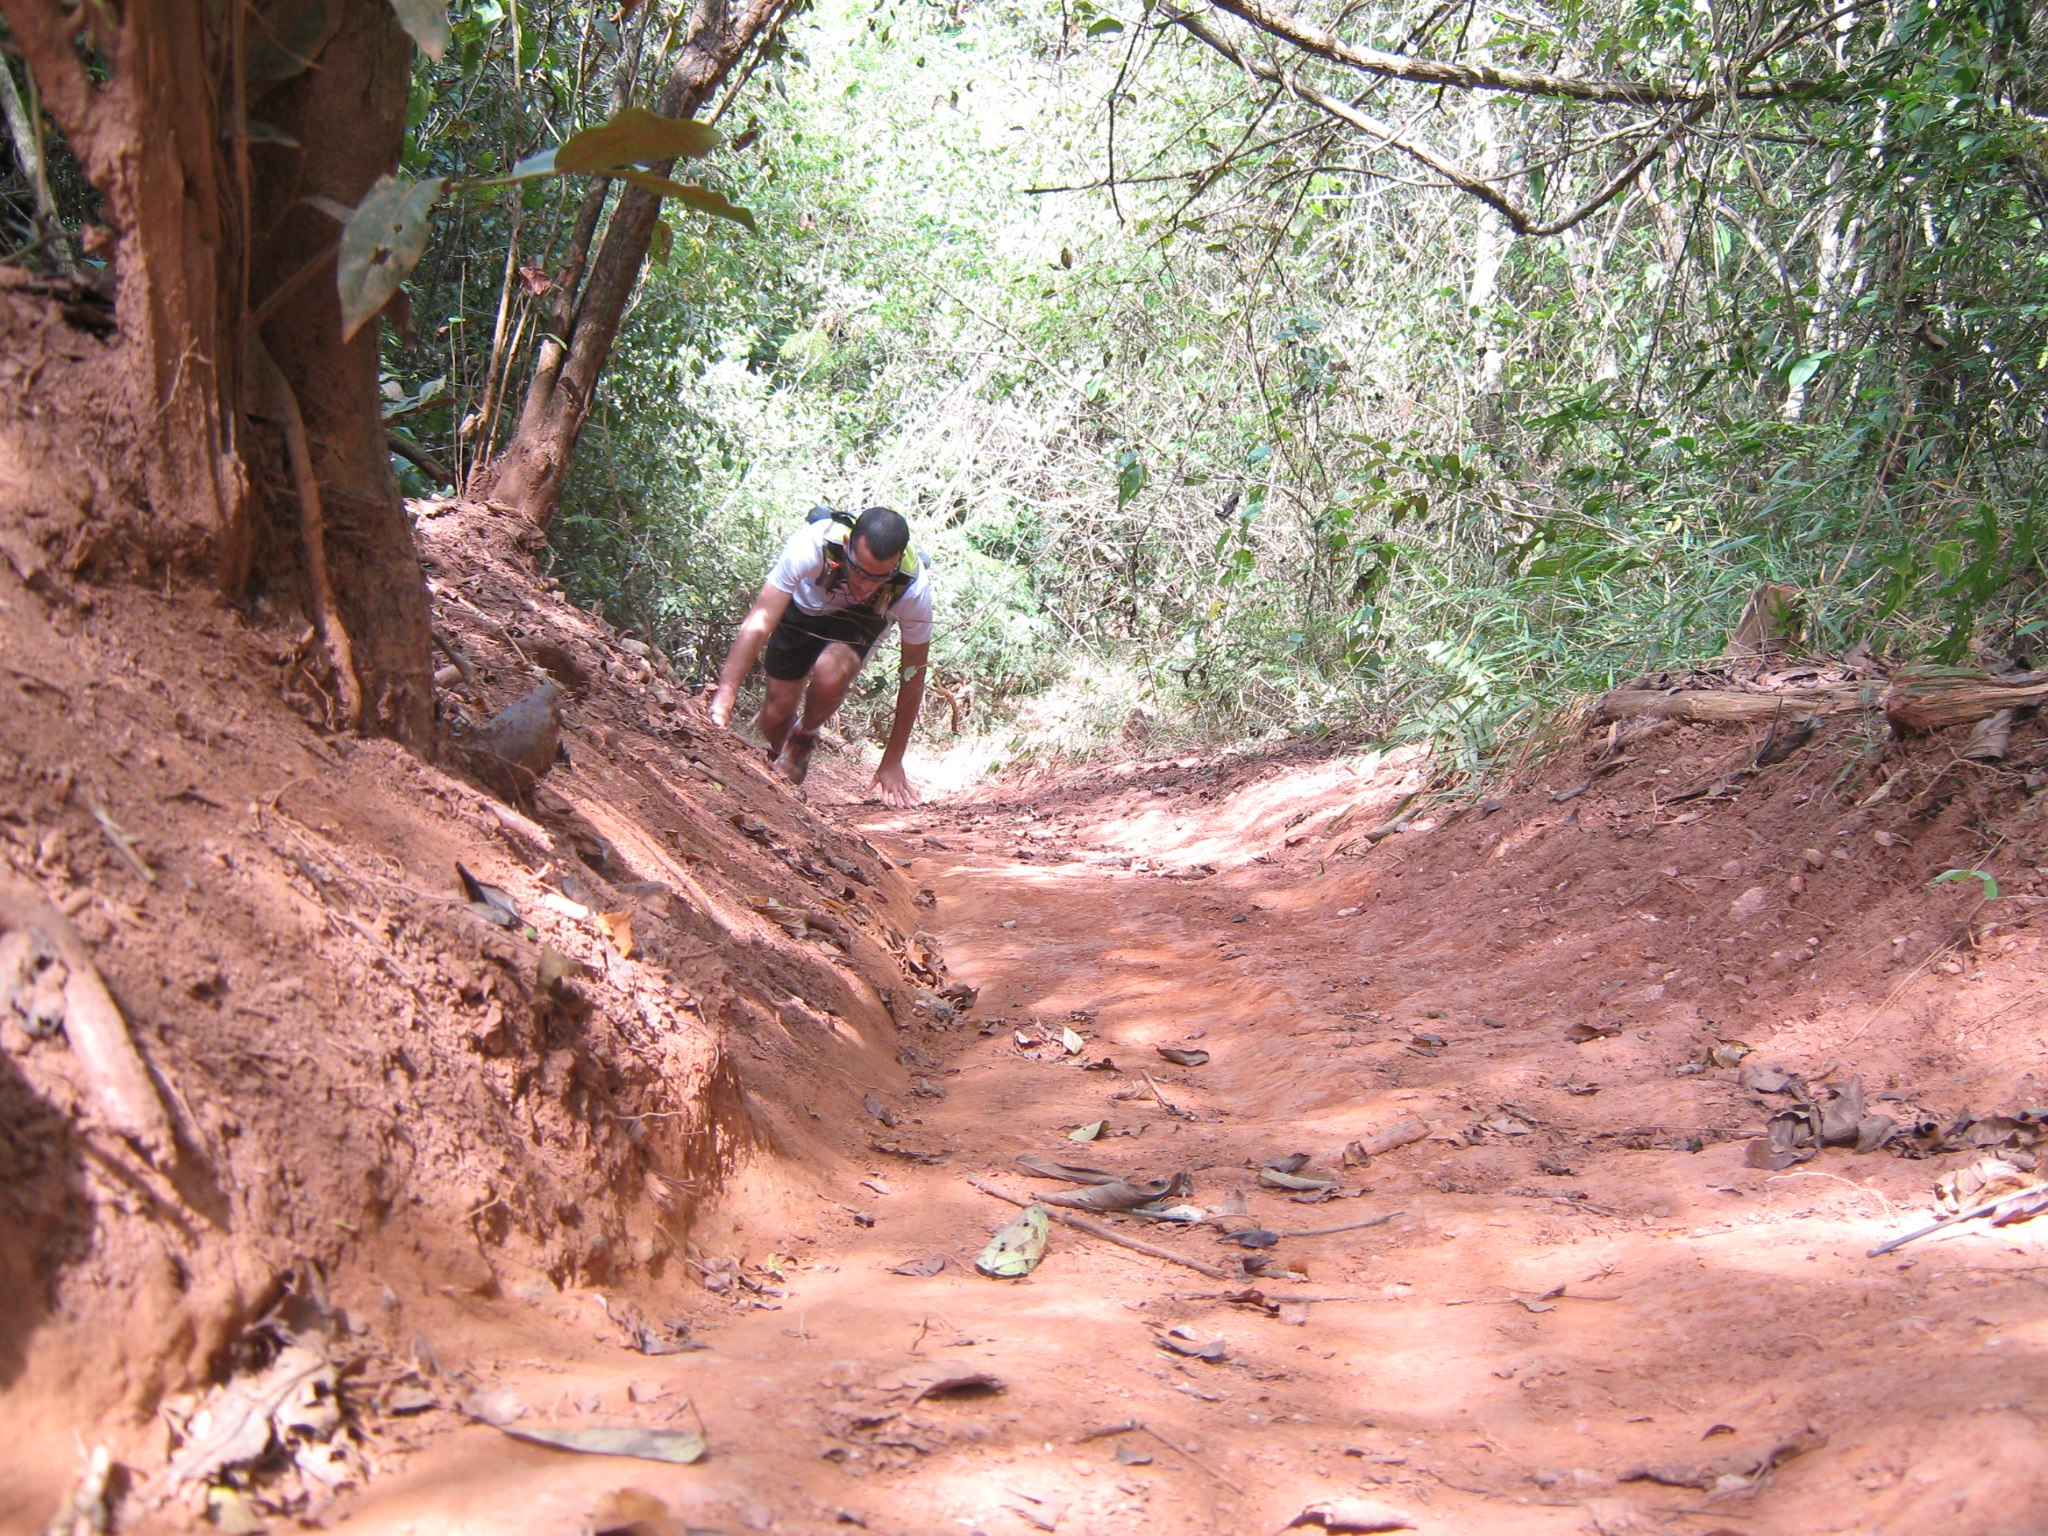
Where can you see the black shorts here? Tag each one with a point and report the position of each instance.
(794, 644)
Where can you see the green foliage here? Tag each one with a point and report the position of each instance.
(1216, 436)
(1980, 876)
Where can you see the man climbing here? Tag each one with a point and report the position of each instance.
(830, 595)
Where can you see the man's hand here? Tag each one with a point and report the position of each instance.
(721, 707)
(894, 787)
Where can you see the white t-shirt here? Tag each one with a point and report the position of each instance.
(800, 571)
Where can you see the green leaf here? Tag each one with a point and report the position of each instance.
(1130, 476)
(426, 23)
(634, 137)
(1103, 25)
(1990, 885)
(542, 164)
(382, 241)
(703, 199)
(1017, 1246)
(672, 1445)
(1805, 369)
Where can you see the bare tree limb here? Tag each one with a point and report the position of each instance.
(1469, 182)
(1487, 77)
(418, 457)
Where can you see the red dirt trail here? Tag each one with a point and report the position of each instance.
(1581, 1277)
(1586, 1309)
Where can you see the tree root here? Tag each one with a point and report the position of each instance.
(115, 1078)
(282, 405)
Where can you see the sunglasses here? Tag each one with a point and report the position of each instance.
(855, 569)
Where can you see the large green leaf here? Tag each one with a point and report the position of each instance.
(703, 199)
(382, 242)
(426, 22)
(542, 164)
(635, 137)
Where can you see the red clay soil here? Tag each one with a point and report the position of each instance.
(1583, 1307)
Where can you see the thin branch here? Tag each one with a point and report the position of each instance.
(1469, 182)
(1487, 77)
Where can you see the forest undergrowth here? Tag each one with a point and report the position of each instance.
(1223, 415)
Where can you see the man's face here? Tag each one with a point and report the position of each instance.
(864, 573)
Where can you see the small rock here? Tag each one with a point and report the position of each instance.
(1749, 903)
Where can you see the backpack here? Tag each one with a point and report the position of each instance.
(891, 591)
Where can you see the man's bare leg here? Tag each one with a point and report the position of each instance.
(832, 676)
(778, 711)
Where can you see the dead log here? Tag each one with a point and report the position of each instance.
(1727, 705)
(1930, 703)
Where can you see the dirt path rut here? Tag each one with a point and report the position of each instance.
(1580, 1282)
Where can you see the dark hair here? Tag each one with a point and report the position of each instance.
(883, 531)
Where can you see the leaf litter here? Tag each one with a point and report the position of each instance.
(1364, 1516)
(1017, 1246)
(678, 1446)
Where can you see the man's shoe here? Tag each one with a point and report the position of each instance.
(795, 761)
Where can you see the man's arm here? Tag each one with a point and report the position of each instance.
(889, 777)
(760, 622)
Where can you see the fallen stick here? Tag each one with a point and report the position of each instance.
(1165, 1103)
(2016, 1199)
(1349, 1226)
(115, 1078)
(1096, 1229)
(1139, 1426)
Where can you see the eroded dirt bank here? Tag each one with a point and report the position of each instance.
(698, 1171)
(371, 1099)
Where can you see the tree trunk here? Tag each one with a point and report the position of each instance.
(530, 473)
(376, 586)
(159, 136)
(149, 138)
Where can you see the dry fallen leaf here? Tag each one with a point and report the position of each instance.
(618, 927)
(1017, 1246)
(1399, 1134)
(672, 1445)
(1185, 1341)
(1360, 1515)
(941, 1380)
(1581, 1032)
